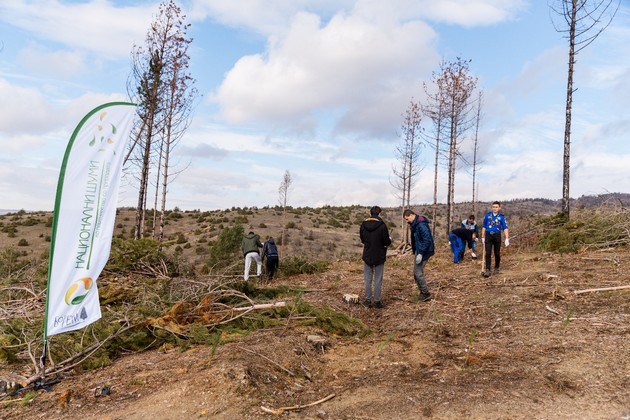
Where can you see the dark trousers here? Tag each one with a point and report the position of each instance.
(271, 265)
(493, 240)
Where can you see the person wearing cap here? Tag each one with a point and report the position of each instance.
(250, 245)
(375, 238)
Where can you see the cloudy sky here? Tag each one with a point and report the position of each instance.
(318, 87)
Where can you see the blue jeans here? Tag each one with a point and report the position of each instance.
(376, 272)
(418, 276)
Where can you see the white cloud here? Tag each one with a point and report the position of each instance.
(40, 60)
(98, 25)
(347, 65)
(24, 109)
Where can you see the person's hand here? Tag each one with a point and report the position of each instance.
(483, 240)
(419, 259)
(507, 241)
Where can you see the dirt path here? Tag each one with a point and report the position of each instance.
(518, 345)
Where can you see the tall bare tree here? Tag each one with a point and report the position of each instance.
(407, 153)
(475, 161)
(435, 110)
(283, 194)
(581, 23)
(456, 86)
(164, 90)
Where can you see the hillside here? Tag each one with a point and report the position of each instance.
(519, 345)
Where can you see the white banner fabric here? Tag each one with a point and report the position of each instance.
(85, 212)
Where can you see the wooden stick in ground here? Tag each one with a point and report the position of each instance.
(483, 256)
(601, 289)
(281, 410)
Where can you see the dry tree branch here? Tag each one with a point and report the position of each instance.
(281, 410)
(79, 357)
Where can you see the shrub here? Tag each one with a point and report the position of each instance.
(227, 247)
(23, 242)
(299, 265)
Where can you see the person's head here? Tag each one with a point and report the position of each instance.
(496, 206)
(409, 215)
(471, 218)
(375, 211)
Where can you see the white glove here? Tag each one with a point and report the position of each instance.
(483, 240)
(419, 259)
(507, 241)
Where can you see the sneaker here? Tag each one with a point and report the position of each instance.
(378, 305)
(486, 273)
(367, 303)
(473, 255)
(496, 270)
(424, 297)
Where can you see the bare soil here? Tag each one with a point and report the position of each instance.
(518, 345)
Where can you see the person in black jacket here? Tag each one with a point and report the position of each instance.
(270, 252)
(375, 239)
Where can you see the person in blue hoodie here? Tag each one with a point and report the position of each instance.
(423, 248)
(459, 238)
(375, 238)
(270, 252)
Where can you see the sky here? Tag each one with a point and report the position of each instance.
(319, 88)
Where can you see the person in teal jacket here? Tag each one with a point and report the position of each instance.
(423, 248)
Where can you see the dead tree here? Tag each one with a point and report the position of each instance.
(582, 22)
(475, 150)
(435, 110)
(164, 91)
(407, 153)
(456, 87)
(283, 193)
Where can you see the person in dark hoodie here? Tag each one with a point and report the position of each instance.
(250, 245)
(375, 239)
(423, 248)
(270, 252)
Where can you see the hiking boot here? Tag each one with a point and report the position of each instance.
(496, 270)
(486, 273)
(424, 297)
(378, 305)
(367, 303)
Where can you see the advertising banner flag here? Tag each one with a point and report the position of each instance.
(84, 216)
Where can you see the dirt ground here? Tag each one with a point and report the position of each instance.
(518, 345)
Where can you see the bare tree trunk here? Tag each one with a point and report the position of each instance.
(142, 192)
(581, 21)
(475, 150)
(566, 165)
(157, 189)
(437, 161)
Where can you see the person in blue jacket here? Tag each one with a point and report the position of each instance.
(459, 238)
(493, 224)
(423, 248)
